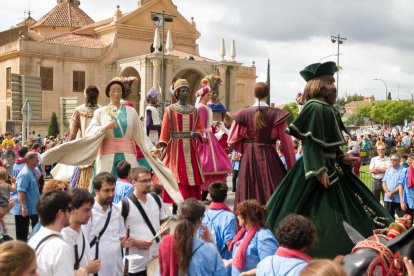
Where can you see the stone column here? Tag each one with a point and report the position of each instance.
(232, 88)
(168, 78)
(222, 68)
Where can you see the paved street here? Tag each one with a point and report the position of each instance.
(12, 232)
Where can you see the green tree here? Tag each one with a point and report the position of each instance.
(355, 97)
(341, 101)
(390, 112)
(53, 126)
(355, 119)
(293, 109)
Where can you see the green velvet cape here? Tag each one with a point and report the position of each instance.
(347, 199)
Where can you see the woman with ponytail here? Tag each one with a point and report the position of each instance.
(253, 242)
(182, 253)
(254, 133)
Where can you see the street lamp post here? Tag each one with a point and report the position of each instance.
(386, 88)
(340, 40)
(159, 20)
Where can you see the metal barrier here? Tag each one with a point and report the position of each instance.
(366, 178)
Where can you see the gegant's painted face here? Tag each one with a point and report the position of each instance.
(328, 91)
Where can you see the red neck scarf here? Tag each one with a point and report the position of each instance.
(20, 161)
(240, 257)
(410, 182)
(293, 253)
(125, 180)
(219, 206)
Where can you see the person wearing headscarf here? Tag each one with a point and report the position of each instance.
(181, 128)
(215, 162)
(321, 185)
(254, 133)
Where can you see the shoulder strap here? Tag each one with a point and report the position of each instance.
(157, 199)
(125, 208)
(292, 268)
(45, 239)
(77, 258)
(108, 217)
(221, 211)
(143, 214)
(198, 247)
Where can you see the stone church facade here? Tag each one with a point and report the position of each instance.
(69, 51)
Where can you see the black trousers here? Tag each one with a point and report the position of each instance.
(234, 180)
(377, 188)
(393, 207)
(22, 226)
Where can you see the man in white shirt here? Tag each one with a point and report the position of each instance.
(105, 228)
(379, 164)
(54, 255)
(140, 231)
(82, 202)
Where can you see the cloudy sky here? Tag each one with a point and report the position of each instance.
(292, 34)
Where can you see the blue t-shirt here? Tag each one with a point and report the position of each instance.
(263, 244)
(408, 194)
(392, 179)
(205, 260)
(278, 265)
(222, 224)
(122, 189)
(26, 182)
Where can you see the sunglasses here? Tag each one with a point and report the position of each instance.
(63, 189)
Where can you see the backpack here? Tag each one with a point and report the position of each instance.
(125, 205)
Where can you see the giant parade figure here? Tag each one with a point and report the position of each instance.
(253, 134)
(321, 185)
(214, 160)
(110, 138)
(219, 110)
(181, 127)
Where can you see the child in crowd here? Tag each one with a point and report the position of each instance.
(404, 162)
(5, 203)
(219, 219)
(8, 140)
(295, 234)
(235, 164)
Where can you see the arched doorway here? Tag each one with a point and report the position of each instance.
(194, 78)
(135, 95)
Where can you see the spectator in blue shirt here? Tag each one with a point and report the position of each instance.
(392, 183)
(28, 194)
(123, 187)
